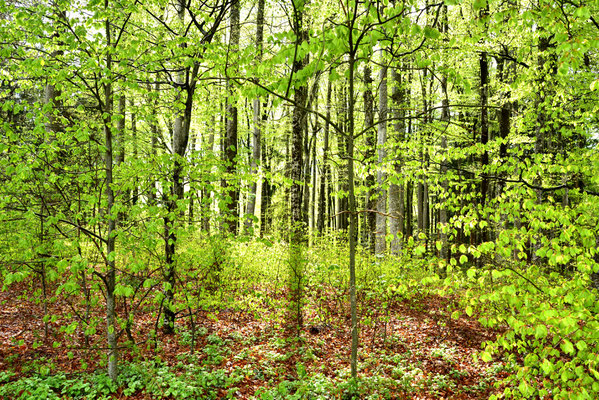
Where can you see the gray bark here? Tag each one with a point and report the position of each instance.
(110, 277)
(370, 156)
(232, 125)
(325, 174)
(296, 282)
(257, 121)
(381, 220)
(396, 195)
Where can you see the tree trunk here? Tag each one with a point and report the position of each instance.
(180, 139)
(396, 208)
(257, 121)
(267, 192)
(135, 196)
(207, 193)
(352, 218)
(232, 121)
(444, 195)
(296, 272)
(381, 220)
(342, 200)
(325, 174)
(110, 277)
(370, 154)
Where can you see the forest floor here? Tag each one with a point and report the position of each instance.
(414, 350)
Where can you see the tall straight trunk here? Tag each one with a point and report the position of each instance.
(445, 117)
(370, 154)
(207, 193)
(306, 173)
(326, 172)
(352, 217)
(503, 117)
(266, 194)
(110, 277)
(421, 176)
(313, 200)
(409, 192)
(444, 194)
(135, 196)
(484, 133)
(409, 208)
(484, 123)
(396, 193)
(120, 126)
(342, 200)
(310, 178)
(296, 278)
(170, 237)
(381, 219)
(154, 132)
(192, 189)
(232, 124)
(257, 121)
(180, 138)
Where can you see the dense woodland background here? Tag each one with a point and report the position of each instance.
(318, 165)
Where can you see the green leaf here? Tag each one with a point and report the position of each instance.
(547, 367)
(471, 273)
(567, 347)
(541, 331)
(581, 345)
(525, 389)
(486, 357)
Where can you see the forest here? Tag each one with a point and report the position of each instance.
(299, 199)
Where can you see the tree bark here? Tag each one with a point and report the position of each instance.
(110, 277)
(381, 220)
(232, 124)
(257, 121)
(396, 193)
(370, 157)
(297, 219)
(326, 172)
(342, 200)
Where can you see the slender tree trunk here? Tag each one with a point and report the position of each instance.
(445, 117)
(180, 139)
(352, 218)
(257, 121)
(342, 200)
(110, 277)
(325, 174)
(267, 192)
(154, 130)
(370, 157)
(232, 123)
(314, 164)
(396, 207)
(296, 278)
(381, 220)
(207, 193)
(120, 126)
(135, 196)
(306, 173)
(484, 134)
